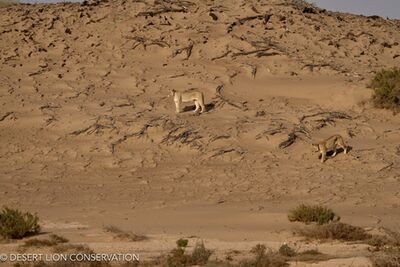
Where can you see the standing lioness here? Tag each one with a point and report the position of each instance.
(330, 144)
(195, 96)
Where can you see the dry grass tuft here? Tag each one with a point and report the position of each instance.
(52, 241)
(124, 235)
(338, 231)
(178, 258)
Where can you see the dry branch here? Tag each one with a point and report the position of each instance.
(187, 136)
(180, 3)
(259, 53)
(328, 115)
(187, 49)
(290, 140)
(270, 132)
(224, 100)
(161, 11)
(228, 150)
(146, 42)
(2, 118)
(141, 133)
(266, 18)
(95, 127)
(222, 56)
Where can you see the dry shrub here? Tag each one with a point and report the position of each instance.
(337, 230)
(178, 258)
(52, 241)
(124, 235)
(264, 258)
(312, 213)
(387, 259)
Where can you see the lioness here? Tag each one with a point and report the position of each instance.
(195, 96)
(330, 144)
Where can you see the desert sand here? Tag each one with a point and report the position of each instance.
(89, 136)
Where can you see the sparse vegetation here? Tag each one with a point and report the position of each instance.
(391, 239)
(391, 259)
(4, 3)
(386, 86)
(124, 235)
(200, 254)
(52, 241)
(15, 224)
(287, 251)
(178, 258)
(337, 230)
(264, 258)
(388, 247)
(312, 213)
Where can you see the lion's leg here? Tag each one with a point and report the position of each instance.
(177, 107)
(344, 147)
(323, 155)
(197, 106)
(203, 108)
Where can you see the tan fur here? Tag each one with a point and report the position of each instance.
(330, 144)
(196, 96)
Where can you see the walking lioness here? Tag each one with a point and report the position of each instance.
(195, 96)
(330, 144)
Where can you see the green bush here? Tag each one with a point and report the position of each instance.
(386, 86)
(312, 213)
(15, 225)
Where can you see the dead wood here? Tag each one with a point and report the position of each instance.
(387, 167)
(259, 53)
(240, 21)
(253, 70)
(146, 42)
(187, 49)
(289, 141)
(95, 127)
(294, 134)
(223, 100)
(180, 3)
(2, 118)
(182, 135)
(161, 11)
(222, 56)
(271, 131)
(328, 115)
(141, 133)
(49, 106)
(228, 150)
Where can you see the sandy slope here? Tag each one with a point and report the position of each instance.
(89, 134)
